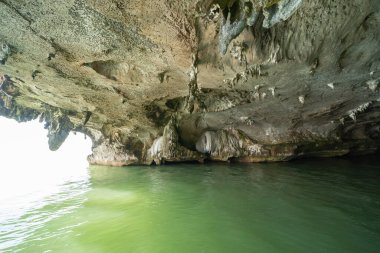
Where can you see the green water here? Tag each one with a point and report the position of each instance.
(305, 206)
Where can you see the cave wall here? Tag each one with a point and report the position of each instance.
(169, 81)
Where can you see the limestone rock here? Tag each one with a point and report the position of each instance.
(167, 148)
(280, 12)
(300, 77)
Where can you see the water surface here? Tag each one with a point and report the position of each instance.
(304, 206)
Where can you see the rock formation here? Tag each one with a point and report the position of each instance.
(168, 81)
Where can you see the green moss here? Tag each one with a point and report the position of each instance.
(270, 3)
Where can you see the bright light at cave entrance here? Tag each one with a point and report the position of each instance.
(28, 166)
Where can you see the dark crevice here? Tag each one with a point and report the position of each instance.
(235, 11)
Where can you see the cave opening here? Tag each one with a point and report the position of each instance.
(28, 166)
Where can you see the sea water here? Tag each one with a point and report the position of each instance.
(329, 205)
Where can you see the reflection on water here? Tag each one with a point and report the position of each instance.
(37, 186)
(20, 225)
(306, 206)
(40, 196)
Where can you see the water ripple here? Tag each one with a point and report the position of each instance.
(22, 225)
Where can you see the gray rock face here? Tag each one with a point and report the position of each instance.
(59, 127)
(230, 30)
(280, 12)
(273, 13)
(167, 81)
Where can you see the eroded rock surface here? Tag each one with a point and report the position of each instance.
(168, 81)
